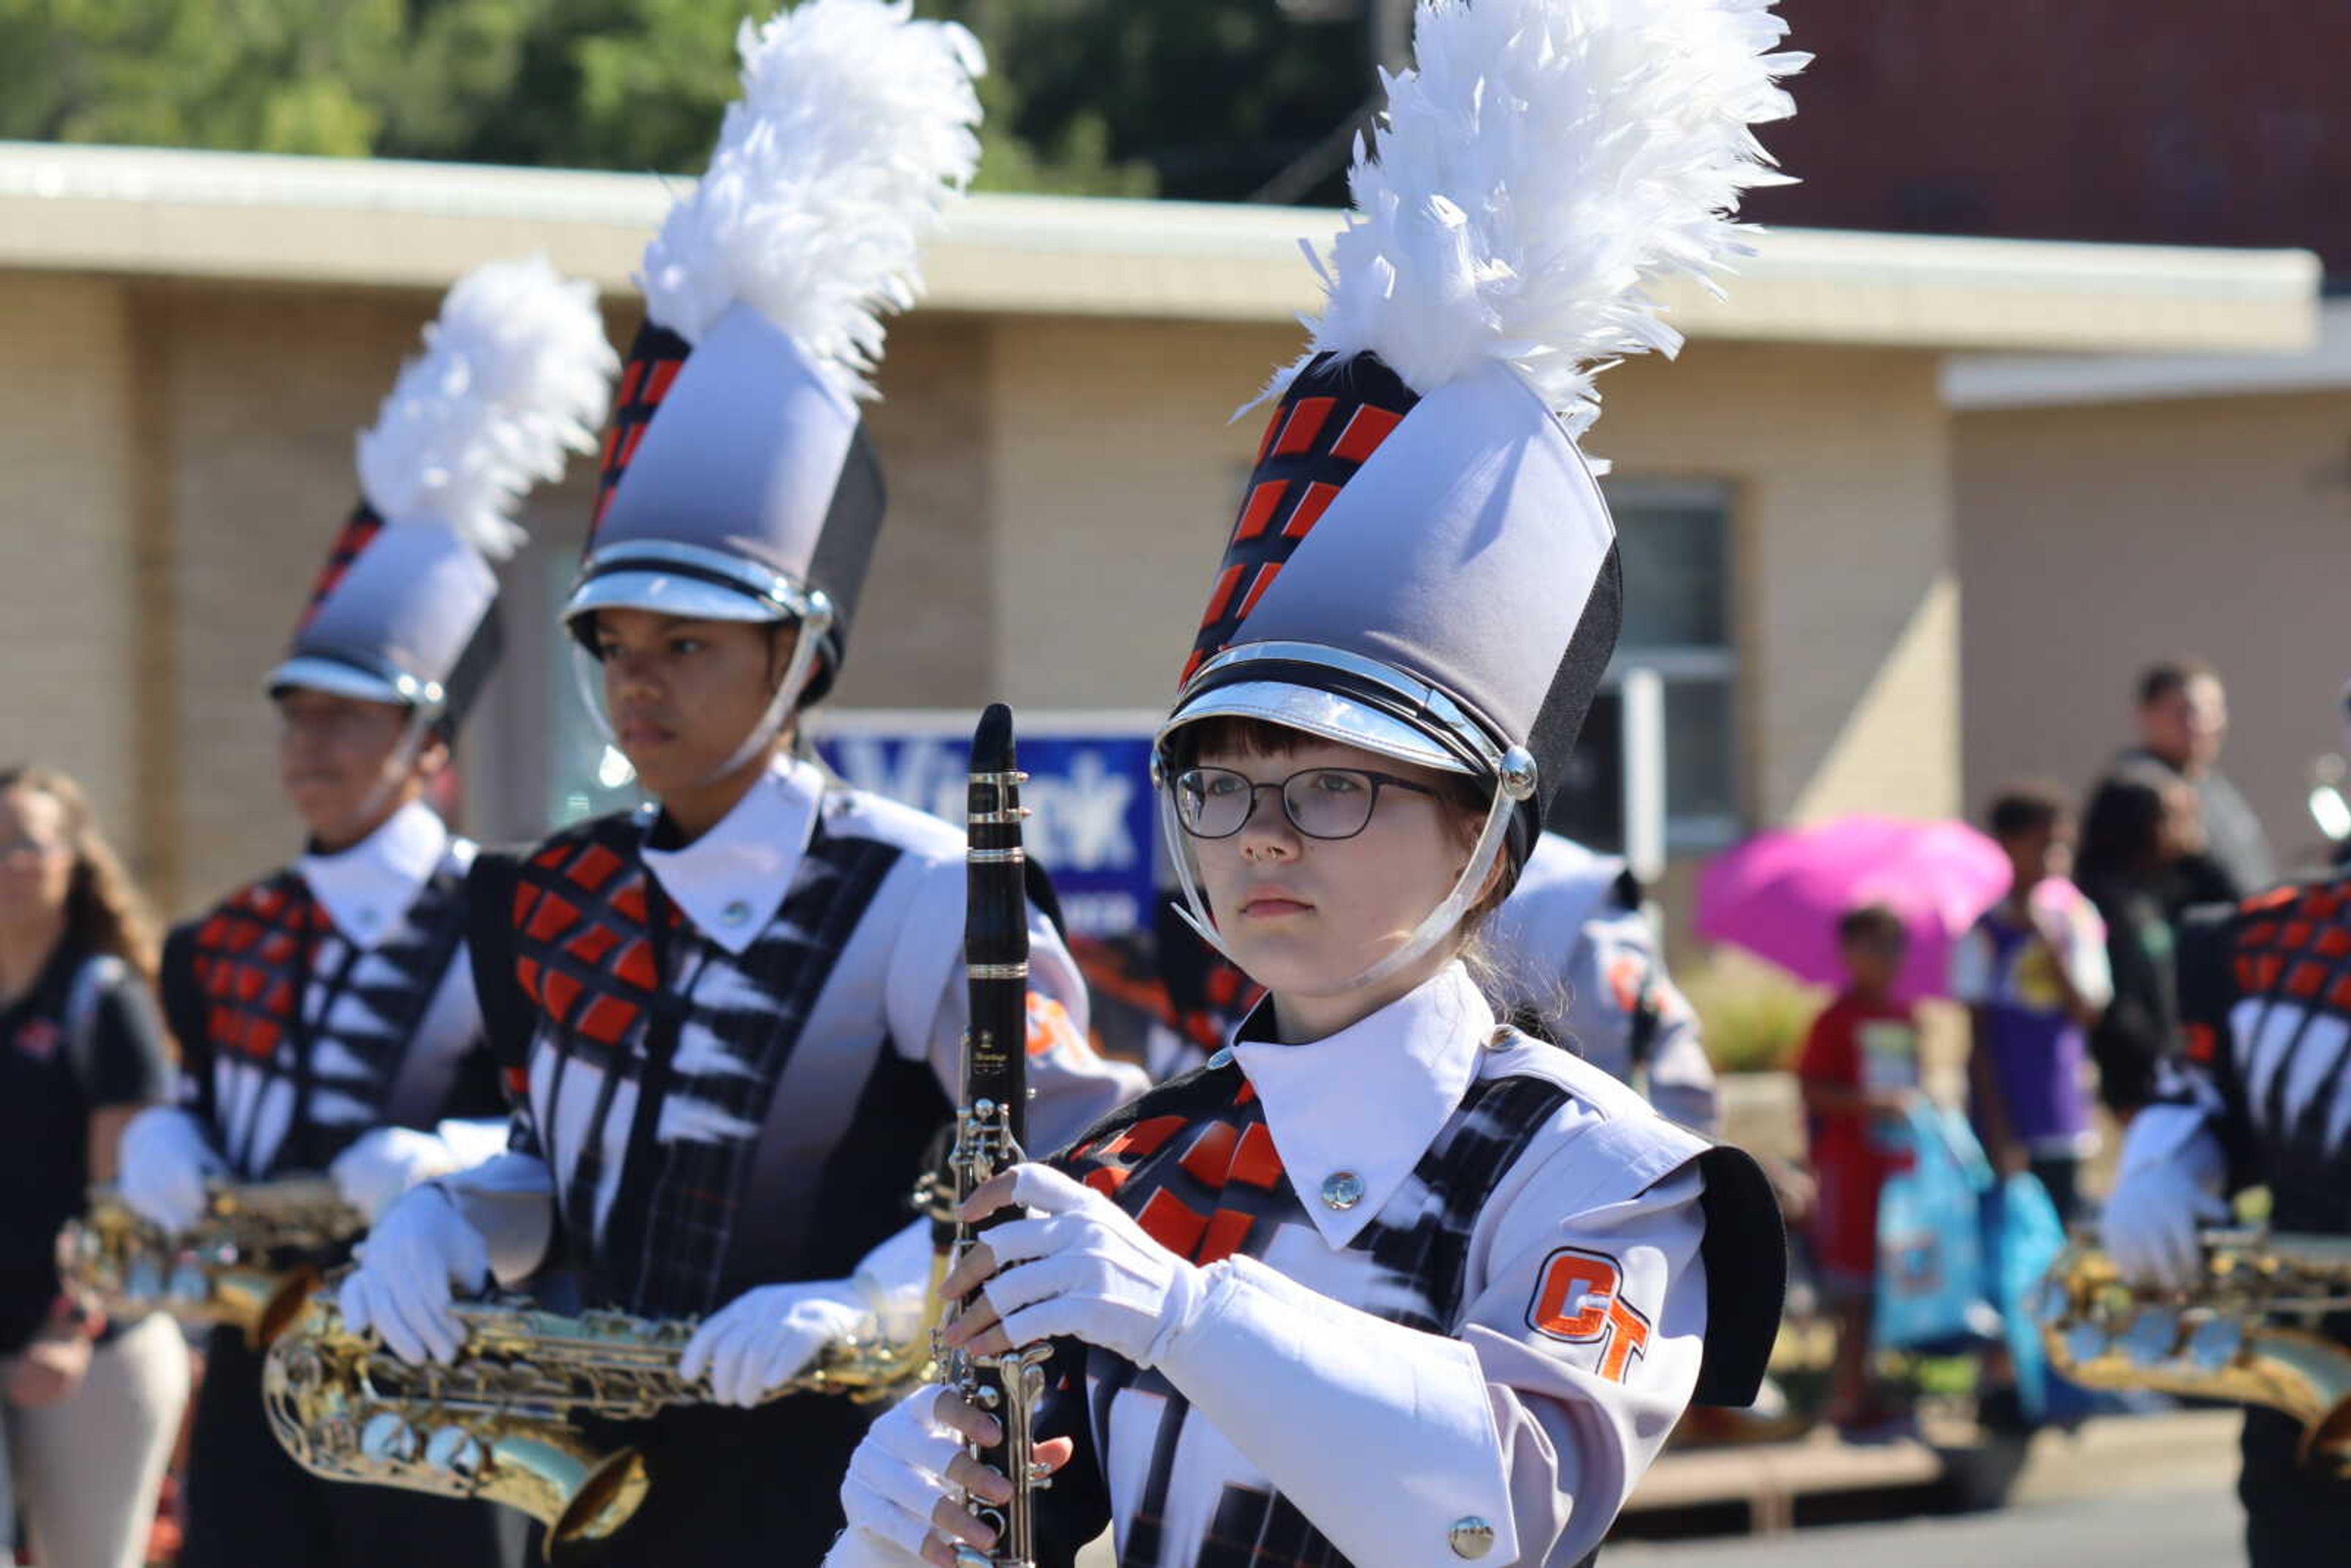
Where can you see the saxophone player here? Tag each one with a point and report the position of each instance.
(2259, 1097)
(325, 1012)
(730, 1020)
(1387, 1282)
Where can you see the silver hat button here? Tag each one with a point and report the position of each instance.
(736, 913)
(1470, 1537)
(1221, 1059)
(1341, 1190)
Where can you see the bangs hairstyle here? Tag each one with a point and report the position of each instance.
(1465, 809)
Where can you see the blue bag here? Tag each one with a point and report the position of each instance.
(2023, 1236)
(1931, 1276)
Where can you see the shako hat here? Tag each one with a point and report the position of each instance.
(1423, 565)
(514, 373)
(737, 481)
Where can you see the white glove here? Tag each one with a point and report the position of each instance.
(408, 1263)
(1085, 1270)
(166, 1161)
(382, 1164)
(763, 1336)
(2150, 1224)
(897, 1481)
(2172, 1171)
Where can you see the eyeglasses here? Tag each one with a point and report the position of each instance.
(1321, 803)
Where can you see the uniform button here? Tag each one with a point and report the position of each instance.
(1502, 1038)
(736, 913)
(1341, 1190)
(1470, 1537)
(1221, 1059)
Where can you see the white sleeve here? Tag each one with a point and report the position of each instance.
(2087, 964)
(510, 1201)
(1575, 1357)
(1971, 967)
(1071, 1085)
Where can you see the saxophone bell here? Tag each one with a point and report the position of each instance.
(251, 1262)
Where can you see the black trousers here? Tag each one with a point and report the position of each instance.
(732, 1486)
(249, 1505)
(2295, 1513)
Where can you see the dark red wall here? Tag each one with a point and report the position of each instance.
(2158, 121)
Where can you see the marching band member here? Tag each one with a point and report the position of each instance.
(2260, 1099)
(1388, 1282)
(731, 1021)
(325, 1013)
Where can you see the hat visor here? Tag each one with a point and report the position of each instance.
(669, 593)
(337, 678)
(1324, 715)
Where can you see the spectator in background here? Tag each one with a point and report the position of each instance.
(2032, 975)
(2183, 719)
(2142, 824)
(92, 1407)
(1859, 1069)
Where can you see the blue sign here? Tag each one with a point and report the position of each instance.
(1093, 821)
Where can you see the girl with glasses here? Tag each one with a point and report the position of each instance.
(1388, 1282)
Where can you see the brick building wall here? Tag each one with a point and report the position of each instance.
(2153, 121)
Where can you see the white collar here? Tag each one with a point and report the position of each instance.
(730, 881)
(1368, 1100)
(367, 887)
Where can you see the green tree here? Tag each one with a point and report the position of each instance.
(1204, 98)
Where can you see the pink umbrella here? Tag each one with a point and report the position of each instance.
(1779, 896)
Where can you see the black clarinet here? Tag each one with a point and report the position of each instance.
(992, 1119)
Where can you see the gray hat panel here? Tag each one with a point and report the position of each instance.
(412, 600)
(1463, 552)
(743, 455)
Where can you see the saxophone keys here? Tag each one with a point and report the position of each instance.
(2216, 1344)
(2153, 1337)
(388, 1439)
(456, 1451)
(2086, 1341)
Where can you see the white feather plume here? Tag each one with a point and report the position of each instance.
(515, 372)
(856, 127)
(1543, 163)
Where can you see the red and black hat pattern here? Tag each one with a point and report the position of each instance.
(655, 361)
(1333, 418)
(356, 535)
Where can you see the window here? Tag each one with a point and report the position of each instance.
(1673, 538)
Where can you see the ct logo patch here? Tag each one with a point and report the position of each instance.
(1050, 1029)
(1579, 1300)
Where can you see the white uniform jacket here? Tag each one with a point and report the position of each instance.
(728, 1058)
(1461, 1287)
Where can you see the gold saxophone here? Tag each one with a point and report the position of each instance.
(500, 1422)
(2247, 1332)
(250, 1262)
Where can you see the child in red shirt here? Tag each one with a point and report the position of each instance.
(1859, 1069)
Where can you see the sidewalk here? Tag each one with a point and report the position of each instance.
(1769, 1478)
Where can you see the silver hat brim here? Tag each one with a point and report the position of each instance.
(1324, 715)
(336, 679)
(670, 593)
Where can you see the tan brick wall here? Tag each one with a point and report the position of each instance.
(1115, 481)
(2095, 540)
(1846, 613)
(1058, 492)
(924, 635)
(68, 540)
